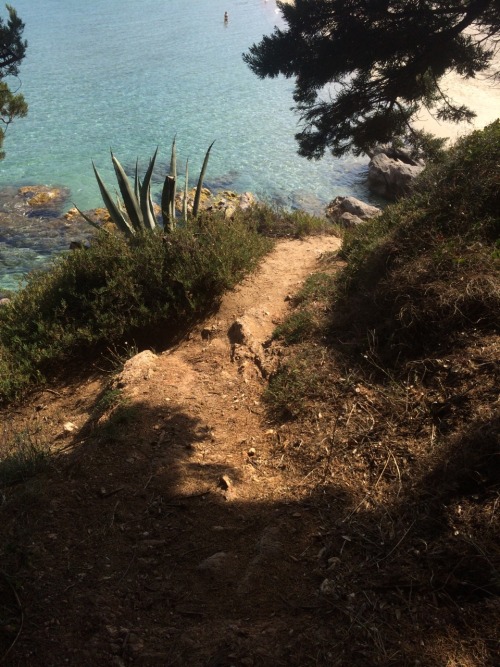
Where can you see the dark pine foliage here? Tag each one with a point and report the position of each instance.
(12, 46)
(12, 52)
(363, 68)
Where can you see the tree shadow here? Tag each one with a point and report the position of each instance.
(118, 558)
(419, 577)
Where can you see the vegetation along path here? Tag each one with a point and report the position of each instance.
(167, 531)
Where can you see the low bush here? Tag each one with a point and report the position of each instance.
(117, 289)
(386, 410)
(419, 279)
(277, 222)
(428, 267)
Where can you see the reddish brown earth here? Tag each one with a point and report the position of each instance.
(166, 530)
(176, 524)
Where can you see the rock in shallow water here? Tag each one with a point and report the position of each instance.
(43, 200)
(349, 211)
(391, 178)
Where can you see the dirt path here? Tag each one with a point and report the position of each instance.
(169, 534)
(216, 377)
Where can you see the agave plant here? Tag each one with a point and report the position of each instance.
(135, 212)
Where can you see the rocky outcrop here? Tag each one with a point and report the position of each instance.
(391, 176)
(245, 345)
(350, 212)
(226, 201)
(138, 368)
(42, 199)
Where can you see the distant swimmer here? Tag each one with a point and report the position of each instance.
(226, 17)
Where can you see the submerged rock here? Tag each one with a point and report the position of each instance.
(99, 214)
(43, 199)
(29, 237)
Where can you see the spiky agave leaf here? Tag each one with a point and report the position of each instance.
(137, 185)
(167, 196)
(185, 197)
(168, 192)
(114, 211)
(152, 209)
(197, 196)
(173, 173)
(129, 198)
(90, 221)
(148, 211)
(145, 197)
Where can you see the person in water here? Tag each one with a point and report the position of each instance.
(226, 17)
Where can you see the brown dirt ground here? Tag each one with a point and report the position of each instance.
(164, 531)
(178, 525)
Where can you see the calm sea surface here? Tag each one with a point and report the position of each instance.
(131, 75)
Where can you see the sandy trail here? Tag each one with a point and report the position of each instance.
(216, 376)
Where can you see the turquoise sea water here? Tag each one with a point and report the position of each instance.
(130, 75)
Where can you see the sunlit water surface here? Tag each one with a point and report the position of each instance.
(131, 75)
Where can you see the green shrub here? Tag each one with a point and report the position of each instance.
(277, 222)
(427, 267)
(117, 289)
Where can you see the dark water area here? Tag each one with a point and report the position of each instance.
(31, 236)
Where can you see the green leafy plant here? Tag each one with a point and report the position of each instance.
(119, 293)
(135, 213)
